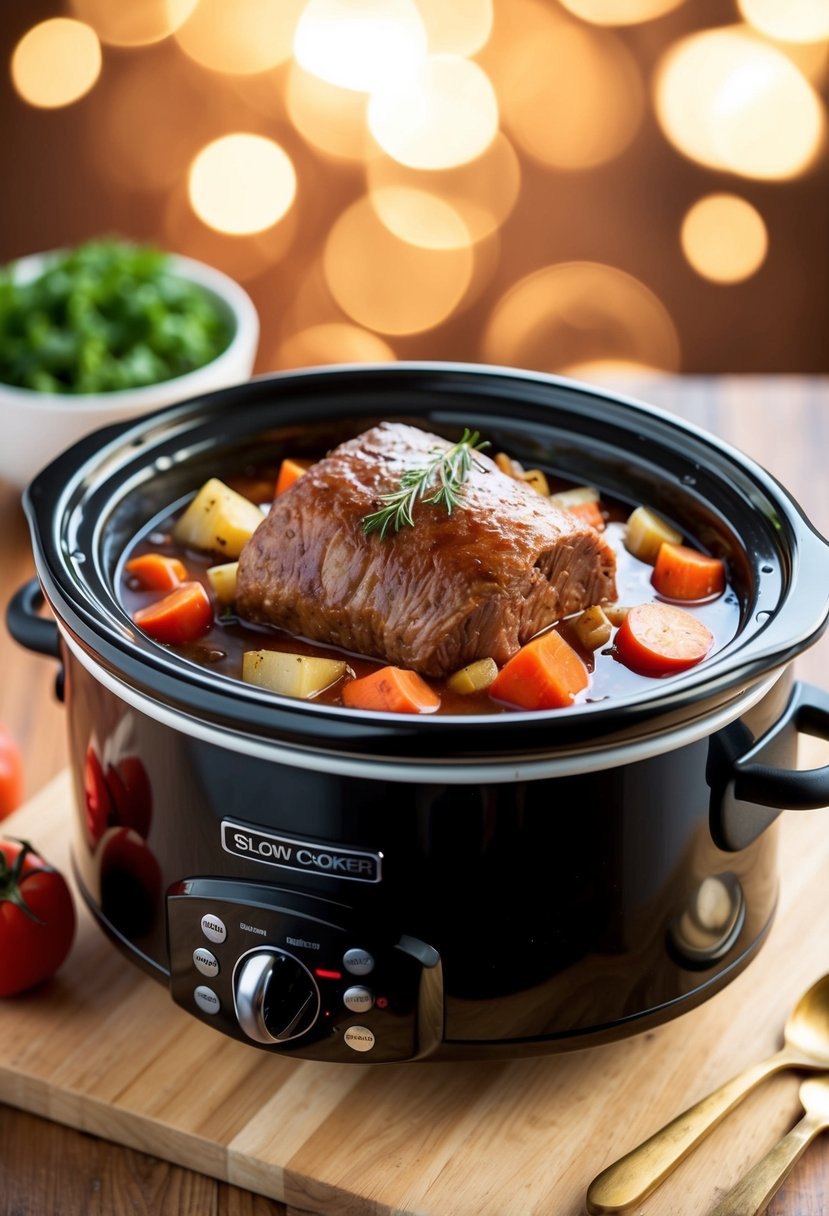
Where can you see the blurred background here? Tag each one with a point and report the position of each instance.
(582, 186)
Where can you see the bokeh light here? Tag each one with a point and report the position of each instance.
(329, 118)
(461, 27)
(574, 313)
(732, 102)
(242, 37)
(724, 238)
(444, 113)
(620, 12)
(483, 192)
(332, 342)
(244, 257)
(133, 22)
(56, 62)
(360, 44)
(420, 218)
(572, 96)
(788, 20)
(241, 183)
(389, 285)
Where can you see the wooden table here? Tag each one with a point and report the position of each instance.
(782, 422)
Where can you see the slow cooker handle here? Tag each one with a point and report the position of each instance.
(27, 627)
(752, 782)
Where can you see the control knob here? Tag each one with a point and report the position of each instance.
(275, 996)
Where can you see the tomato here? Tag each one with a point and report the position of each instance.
(11, 774)
(37, 918)
(660, 640)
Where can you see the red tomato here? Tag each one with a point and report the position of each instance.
(97, 798)
(660, 640)
(37, 918)
(11, 774)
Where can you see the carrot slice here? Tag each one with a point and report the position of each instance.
(289, 472)
(545, 674)
(660, 640)
(392, 689)
(156, 572)
(681, 573)
(590, 512)
(182, 616)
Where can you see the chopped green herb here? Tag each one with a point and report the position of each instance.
(105, 316)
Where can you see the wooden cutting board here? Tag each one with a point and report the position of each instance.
(102, 1048)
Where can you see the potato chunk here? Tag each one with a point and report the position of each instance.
(593, 627)
(475, 677)
(218, 520)
(646, 532)
(222, 581)
(292, 675)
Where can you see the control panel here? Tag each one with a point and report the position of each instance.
(282, 970)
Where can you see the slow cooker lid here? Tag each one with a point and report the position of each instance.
(87, 506)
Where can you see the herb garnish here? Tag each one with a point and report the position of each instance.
(448, 471)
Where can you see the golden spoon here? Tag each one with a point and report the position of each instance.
(753, 1192)
(630, 1179)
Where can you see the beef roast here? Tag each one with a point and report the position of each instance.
(474, 584)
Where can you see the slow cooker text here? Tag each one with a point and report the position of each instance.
(336, 862)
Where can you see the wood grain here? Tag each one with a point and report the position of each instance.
(434, 1129)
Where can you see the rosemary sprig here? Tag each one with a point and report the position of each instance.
(445, 474)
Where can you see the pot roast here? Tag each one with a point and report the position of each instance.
(476, 583)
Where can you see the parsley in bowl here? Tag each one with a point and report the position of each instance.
(106, 331)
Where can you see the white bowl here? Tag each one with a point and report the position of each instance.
(39, 426)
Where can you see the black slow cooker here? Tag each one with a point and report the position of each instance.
(344, 885)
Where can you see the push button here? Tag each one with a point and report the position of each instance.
(205, 961)
(207, 1000)
(358, 962)
(358, 999)
(359, 1038)
(213, 928)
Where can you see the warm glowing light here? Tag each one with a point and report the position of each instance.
(360, 44)
(242, 257)
(333, 342)
(459, 27)
(481, 192)
(620, 12)
(241, 184)
(243, 37)
(133, 22)
(574, 313)
(56, 62)
(420, 218)
(572, 96)
(387, 284)
(788, 20)
(724, 238)
(331, 119)
(732, 102)
(443, 114)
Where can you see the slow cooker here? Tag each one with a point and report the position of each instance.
(346, 885)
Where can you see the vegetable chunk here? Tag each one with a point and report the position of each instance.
(545, 674)
(218, 520)
(291, 675)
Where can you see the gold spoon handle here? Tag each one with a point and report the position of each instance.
(630, 1179)
(752, 1193)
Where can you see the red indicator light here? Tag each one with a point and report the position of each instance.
(328, 975)
(382, 1002)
